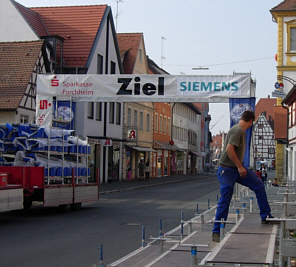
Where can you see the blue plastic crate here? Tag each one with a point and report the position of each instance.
(59, 171)
(52, 171)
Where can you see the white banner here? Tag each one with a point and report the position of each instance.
(145, 88)
(44, 109)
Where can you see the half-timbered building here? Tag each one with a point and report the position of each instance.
(20, 64)
(263, 141)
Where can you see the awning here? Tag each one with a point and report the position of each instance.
(142, 149)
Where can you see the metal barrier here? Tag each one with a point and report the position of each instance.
(192, 238)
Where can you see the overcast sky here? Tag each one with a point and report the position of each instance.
(224, 35)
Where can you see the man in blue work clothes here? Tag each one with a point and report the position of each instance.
(231, 170)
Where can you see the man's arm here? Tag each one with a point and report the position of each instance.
(230, 149)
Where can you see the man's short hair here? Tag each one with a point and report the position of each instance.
(248, 115)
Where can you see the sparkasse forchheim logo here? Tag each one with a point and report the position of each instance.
(71, 87)
(54, 81)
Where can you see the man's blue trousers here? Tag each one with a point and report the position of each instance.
(227, 178)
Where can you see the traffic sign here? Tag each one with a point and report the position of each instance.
(278, 93)
(279, 85)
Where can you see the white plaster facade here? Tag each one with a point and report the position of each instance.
(185, 119)
(20, 30)
(13, 26)
(292, 143)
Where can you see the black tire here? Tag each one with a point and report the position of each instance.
(27, 203)
(76, 206)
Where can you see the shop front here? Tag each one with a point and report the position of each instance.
(192, 163)
(114, 161)
(181, 162)
(138, 162)
(94, 158)
(173, 162)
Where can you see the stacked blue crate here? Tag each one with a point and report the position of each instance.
(33, 139)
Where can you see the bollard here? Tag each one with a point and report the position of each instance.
(143, 236)
(196, 208)
(182, 230)
(194, 256)
(182, 225)
(160, 228)
(236, 215)
(101, 262)
(217, 198)
(209, 206)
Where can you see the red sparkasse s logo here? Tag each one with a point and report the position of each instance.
(44, 104)
(54, 81)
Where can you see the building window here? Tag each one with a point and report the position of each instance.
(292, 40)
(156, 122)
(118, 113)
(148, 122)
(290, 116)
(135, 118)
(98, 111)
(129, 117)
(100, 61)
(111, 112)
(141, 120)
(165, 125)
(271, 150)
(169, 126)
(160, 124)
(113, 67)
(24, 119)
(90, 110)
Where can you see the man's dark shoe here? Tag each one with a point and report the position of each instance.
(216, 237)
(264, 221)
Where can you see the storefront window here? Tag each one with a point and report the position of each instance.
(128, 165)
(180, 159)
(166, 162)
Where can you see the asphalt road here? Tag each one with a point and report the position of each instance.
(46, 237)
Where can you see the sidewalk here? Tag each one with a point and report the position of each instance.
(117, 186)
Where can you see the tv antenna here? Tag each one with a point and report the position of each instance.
(117, 13)
(162, 57)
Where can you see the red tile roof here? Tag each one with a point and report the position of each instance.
(18, 60)
(287, 5)
(265, 105)
(153, 68)
(32, 18)
(78, 25)
(129, 46)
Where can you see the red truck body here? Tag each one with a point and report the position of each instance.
(33, 185)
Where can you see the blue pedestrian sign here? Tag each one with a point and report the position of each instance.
(278, 85)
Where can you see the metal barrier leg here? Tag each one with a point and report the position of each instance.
(194, 260)
(101, 261)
